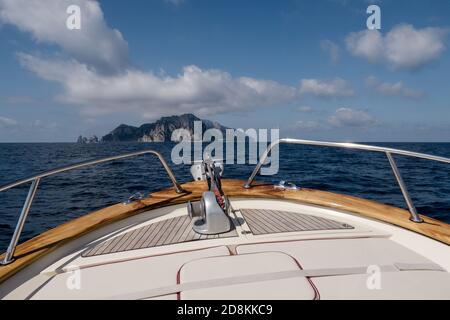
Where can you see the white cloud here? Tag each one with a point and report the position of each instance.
(95, 44)
(94, 71)
(332, 49)
(403, 47)
(342, 118)
(368, 44)
(195, 90)
(326, 89)
(7, 122)
(407, 47)
(347, 117)
(393, 89)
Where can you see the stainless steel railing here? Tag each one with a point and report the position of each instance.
(388, 151)
(9, 256)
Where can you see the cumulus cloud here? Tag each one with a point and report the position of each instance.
(331, 49)
(326, 88)
(347, 117)
(393, 89)
(95, 44)
(194, 90)
(407, 47)
(94, 72)
(368, 44)
(342, 118)
(7, 122)
(403, 47)
(93, 69)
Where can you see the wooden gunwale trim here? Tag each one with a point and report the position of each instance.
(31, 250)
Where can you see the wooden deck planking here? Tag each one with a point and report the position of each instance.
(166, 232)
(148, 230)
(261, 221)
(179, 230)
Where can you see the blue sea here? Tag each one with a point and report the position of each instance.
(66, 196)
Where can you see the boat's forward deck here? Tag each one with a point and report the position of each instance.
(157, 255)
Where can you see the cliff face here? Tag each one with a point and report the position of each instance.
(160, 130)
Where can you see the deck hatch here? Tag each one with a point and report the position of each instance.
(262, 221)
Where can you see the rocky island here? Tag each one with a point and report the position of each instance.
(86, 140)
(159, 131)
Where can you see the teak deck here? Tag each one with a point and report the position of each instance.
(275, 221)
(179, 230)
(31, 250)
(166, 232)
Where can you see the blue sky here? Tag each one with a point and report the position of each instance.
(310, 68)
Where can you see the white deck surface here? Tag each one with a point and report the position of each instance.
(367, 243)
